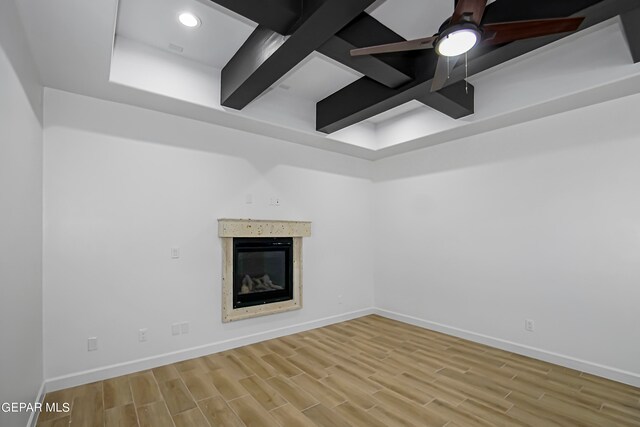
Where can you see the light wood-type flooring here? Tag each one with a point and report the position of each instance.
(369, 372)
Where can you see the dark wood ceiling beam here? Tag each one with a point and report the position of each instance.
(267, 56)
(456, 100)
(366, 98)
(277, 15)
(390, 70)
(631, 27)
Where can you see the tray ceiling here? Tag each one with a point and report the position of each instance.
(75, 45)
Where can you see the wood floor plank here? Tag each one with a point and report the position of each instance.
(117, 392)
(380, 366)
(478, 393)
(281, 365)
(262, 392)
(231, 364)
(347, 374)
(484, 383)
(154, 415)
(308, 366)
(433, 389)
(121, 416)
(324, 394)
(369, 348)
(177, 396)
(352, 393)
(144, 388)
(166, 373)
(317, 356)
(391, 418)
(409, 411)
(623, 414)
(531, 418)
(402, 387)
(295, 395)
(487, 413)
(357, 417)
(280, 348)
(218, 412)
(606, 384)
(198, 364)
(200, 385)
(251, 413)
(226, 385)
(88, 408)
(191, 418)
(258, 366)
(288, 416)
(538, 410)
(456, 414)
(322, 416)
(576, 412)
(351, 365)
(58, 422)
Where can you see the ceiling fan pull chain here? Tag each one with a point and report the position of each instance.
(447, 68)
(466, 74)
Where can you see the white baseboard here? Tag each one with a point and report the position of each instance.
(33, 419)
(609, 372)
(130, 367)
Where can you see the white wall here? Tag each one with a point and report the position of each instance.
(123, 185)
(20, 220)
(539, 221)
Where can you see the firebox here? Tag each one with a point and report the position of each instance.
(262, 270)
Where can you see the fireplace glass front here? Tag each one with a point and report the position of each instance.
(263, 271)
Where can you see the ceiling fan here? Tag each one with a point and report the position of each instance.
(464, 30)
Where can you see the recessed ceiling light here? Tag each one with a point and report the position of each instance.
(189, 20)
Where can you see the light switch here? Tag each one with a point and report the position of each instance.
(184, 328)
(92, 344)
(175, 329)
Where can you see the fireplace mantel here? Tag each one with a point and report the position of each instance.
(262, 228)
(228, 229)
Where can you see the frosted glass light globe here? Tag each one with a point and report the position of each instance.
(457, 42)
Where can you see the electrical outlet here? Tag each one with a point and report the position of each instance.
(92, 344)
(175, 329)
(529, 325)
(175, 253)
(248, 199)
(142, 335)
(184, 327)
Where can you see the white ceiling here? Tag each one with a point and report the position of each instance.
(72, 43)
(316, 77)
(155, 23)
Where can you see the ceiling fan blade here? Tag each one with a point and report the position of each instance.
(443, 68)
(473, 8)
(505, 32)
(418, 44)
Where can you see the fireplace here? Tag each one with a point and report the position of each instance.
(262, 270)
(262, 266)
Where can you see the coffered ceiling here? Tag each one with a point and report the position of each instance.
(136, 52)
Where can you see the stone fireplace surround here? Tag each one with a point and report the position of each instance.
(230, 228)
